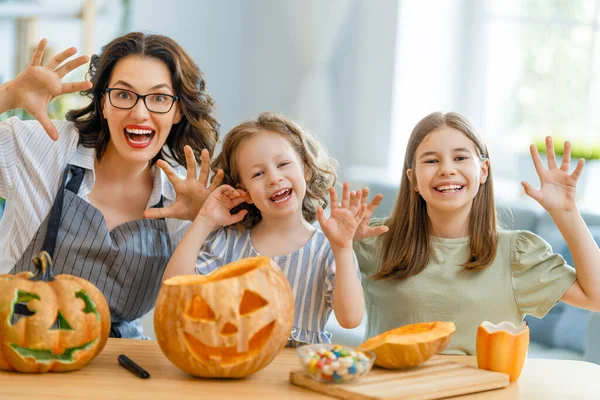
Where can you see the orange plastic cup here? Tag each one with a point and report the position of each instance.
(502, 347)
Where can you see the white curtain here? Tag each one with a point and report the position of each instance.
(315, 27)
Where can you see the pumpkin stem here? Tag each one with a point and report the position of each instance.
(43, 265)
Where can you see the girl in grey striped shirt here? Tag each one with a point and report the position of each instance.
(277, 180)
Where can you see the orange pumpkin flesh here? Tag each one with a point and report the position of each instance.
(50, 323)
(227, 324)
(502, 348)
(410, 345)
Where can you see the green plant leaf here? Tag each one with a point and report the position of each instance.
(579, 149)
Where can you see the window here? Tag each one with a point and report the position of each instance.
(519, 70)
(542, 70)
(541, 63)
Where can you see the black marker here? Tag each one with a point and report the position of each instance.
(133, 367)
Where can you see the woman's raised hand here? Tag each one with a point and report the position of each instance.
(558, 186)
(37, 85)
(191, 192)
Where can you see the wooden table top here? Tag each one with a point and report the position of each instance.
(104, 378)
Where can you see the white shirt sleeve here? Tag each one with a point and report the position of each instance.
(8, 157)
(27, 152)
(31, 168)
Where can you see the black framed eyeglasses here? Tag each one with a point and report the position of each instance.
(159, 103)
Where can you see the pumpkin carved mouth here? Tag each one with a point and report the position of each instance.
(228, 356)
(47, 356)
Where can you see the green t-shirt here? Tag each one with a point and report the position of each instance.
(526, 277)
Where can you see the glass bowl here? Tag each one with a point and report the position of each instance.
(334, 363)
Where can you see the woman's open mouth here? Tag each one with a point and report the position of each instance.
(139, 138)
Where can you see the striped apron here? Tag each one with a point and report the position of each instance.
(126, 264)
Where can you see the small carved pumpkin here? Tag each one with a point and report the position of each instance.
(228, 324)
(50, 323)
(502, 347)
(410, 345)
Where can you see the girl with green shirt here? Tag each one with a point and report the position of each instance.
(441, 256)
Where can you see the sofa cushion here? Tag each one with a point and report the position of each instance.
(516, 218)
(543, 330)
(572, 329)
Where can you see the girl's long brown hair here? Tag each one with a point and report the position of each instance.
(406, 247)
(197, 127)
(321, 167)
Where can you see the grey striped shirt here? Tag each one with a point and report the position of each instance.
(31, 168)
(310, 271)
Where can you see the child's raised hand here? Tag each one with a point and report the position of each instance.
(216, 209)
(558, 187)
(364, 230)
(345, 217)
(191, 192)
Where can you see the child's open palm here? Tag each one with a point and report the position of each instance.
(191, 192)
(364, 230)
(217, 207)
(345, 217)
(558, 187)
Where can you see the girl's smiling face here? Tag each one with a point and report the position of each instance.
(137, 135)
(447, 170)
(272, 173)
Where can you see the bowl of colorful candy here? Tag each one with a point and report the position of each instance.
(335, 363)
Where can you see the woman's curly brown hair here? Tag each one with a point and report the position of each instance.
(320, 166)
(197, 128)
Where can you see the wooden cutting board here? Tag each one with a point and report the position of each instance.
(435, 379)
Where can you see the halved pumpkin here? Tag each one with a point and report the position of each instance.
(410, 345)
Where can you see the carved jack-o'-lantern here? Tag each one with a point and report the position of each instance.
(50, 323)
(230, 323)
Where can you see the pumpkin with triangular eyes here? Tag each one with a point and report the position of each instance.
(50, 323)
(228, 324)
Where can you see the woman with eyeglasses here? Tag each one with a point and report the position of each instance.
(88, 190)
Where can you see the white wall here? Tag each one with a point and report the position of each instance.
(431, 72)
(426, 70)
(392, 62)
(215, 34)
(371, 47)
(251, 64)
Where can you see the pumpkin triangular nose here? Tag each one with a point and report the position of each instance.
(229, 329)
